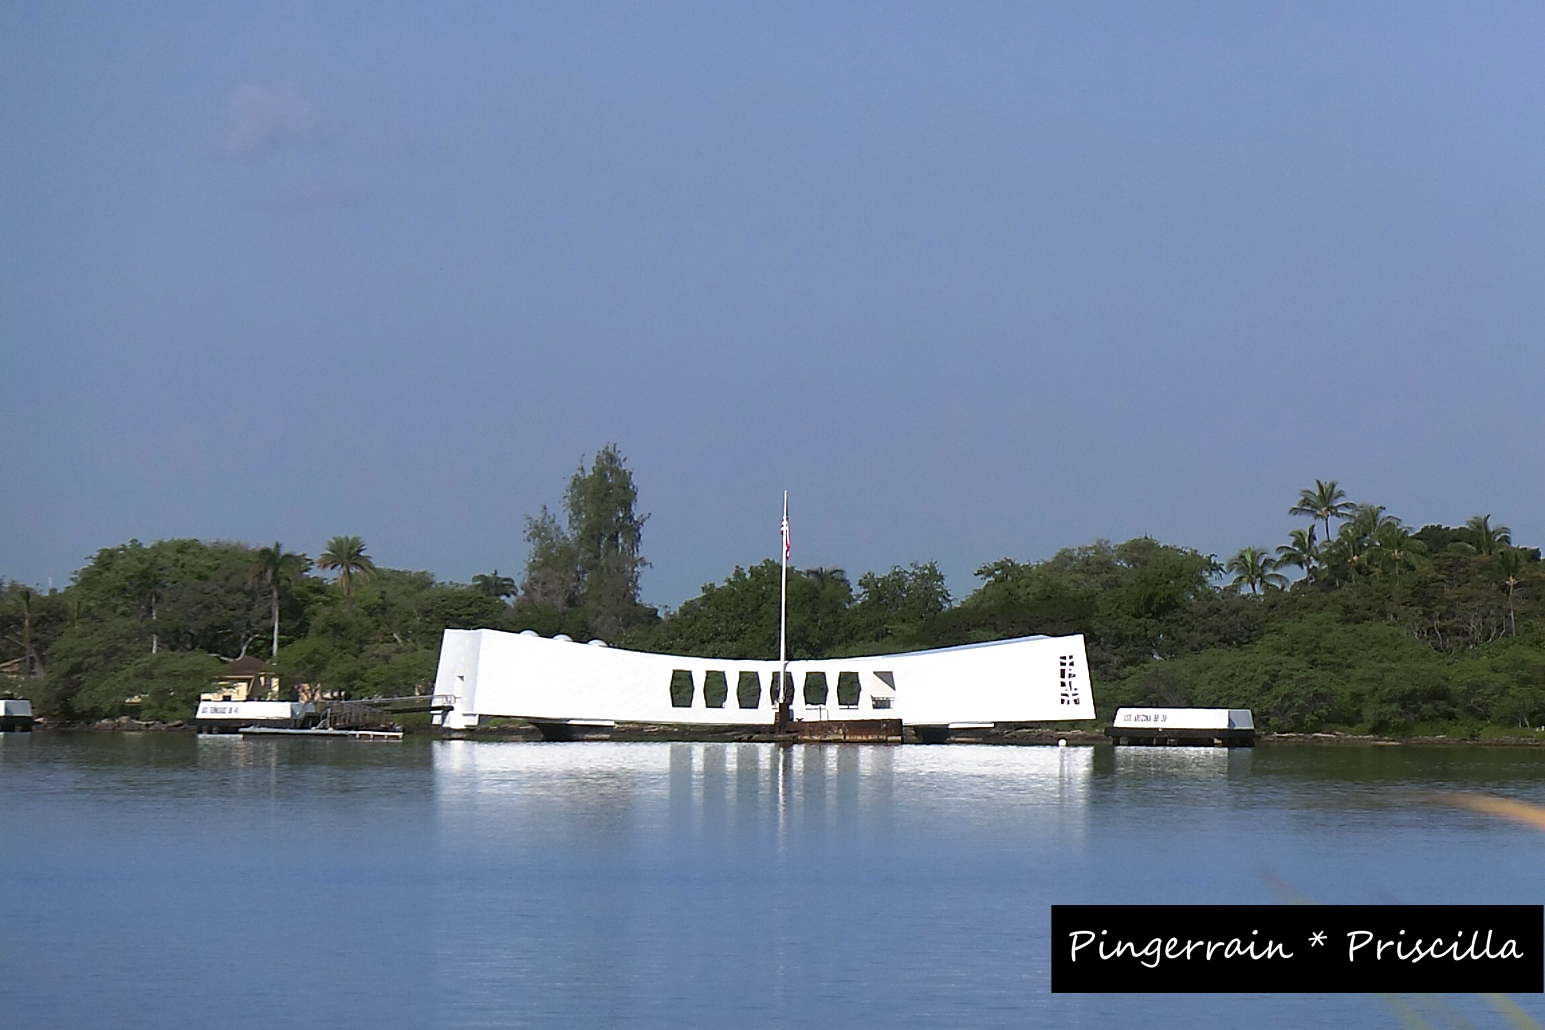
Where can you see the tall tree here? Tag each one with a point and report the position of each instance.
(552, 577)
(1483, 537)
(900, 598)
(1253, 567)
(1324, 502)
(595, 562)
(145, 579)
(493, 584)
(347, 555)
(29, 653)
(1510, 561)
(606, 531)
(274, 567)
(1393, 549)
(1299, 552)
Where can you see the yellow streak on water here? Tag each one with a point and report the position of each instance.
(1507, 808)
(1509, 1008)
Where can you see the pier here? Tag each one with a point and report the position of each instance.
(15, 716)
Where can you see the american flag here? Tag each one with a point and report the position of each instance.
(787, 547)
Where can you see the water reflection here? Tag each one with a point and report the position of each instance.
(451, 884)
(699, 883)
(712, 789)
(1180, 761)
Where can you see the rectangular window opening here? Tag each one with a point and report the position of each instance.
(681, 688)
(815, 688)
(748, 690)
(847, 690)
(715, 688)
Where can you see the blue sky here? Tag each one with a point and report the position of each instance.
(968, 280)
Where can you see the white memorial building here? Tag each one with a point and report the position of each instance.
(557, 682)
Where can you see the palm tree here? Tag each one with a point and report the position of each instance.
(1394, 548)
(347, 555)
(1510, 562)
(1350, 554)
(1300, 552)
(1252, 567)
(274, 567)
(1484, 538)
(493, 584)
(1325, 502)
(1357, 533)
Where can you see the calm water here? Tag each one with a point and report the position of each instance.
(168, 880)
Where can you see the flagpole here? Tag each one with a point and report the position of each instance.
(785, 693)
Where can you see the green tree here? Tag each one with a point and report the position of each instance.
(1325, 501)
(84, 665)
(346, 554)
(739, 617)
(1394, 549)
(1364, 521)
(552, 577)
(192, 595)
(29, 623)
(1510, 565)
(1252, 567)
(146, 579)
(1299, 552)
(1347, 557)
(274, 568)
(493, 584)
(1484, 538)
(1019, 599)
(168, 684)
(212, 605)
(26, 602)
(606, 532)
(892, 603)
(1132, 601)
(594, 563)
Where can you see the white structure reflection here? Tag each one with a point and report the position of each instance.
(715, 791)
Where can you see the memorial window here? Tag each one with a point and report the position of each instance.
(681, 688)
(847, 690)
(815, 688)
(715, 688)
(748, 690)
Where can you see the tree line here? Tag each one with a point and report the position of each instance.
(1376, 627)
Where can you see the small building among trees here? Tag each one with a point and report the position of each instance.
(244, 679)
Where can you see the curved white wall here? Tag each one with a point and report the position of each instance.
(491, 673)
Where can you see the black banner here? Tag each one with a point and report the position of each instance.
(1304, 949)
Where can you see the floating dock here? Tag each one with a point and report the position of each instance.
(1196, 727)
(15, 716)
(236, 716)
(276, 731)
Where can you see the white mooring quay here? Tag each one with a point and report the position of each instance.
(232, 716)
(278, 731)
(1223, 727)
(15, 715)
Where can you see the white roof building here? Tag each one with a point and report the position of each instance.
(523, 675)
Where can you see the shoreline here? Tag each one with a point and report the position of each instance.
(516, 731)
